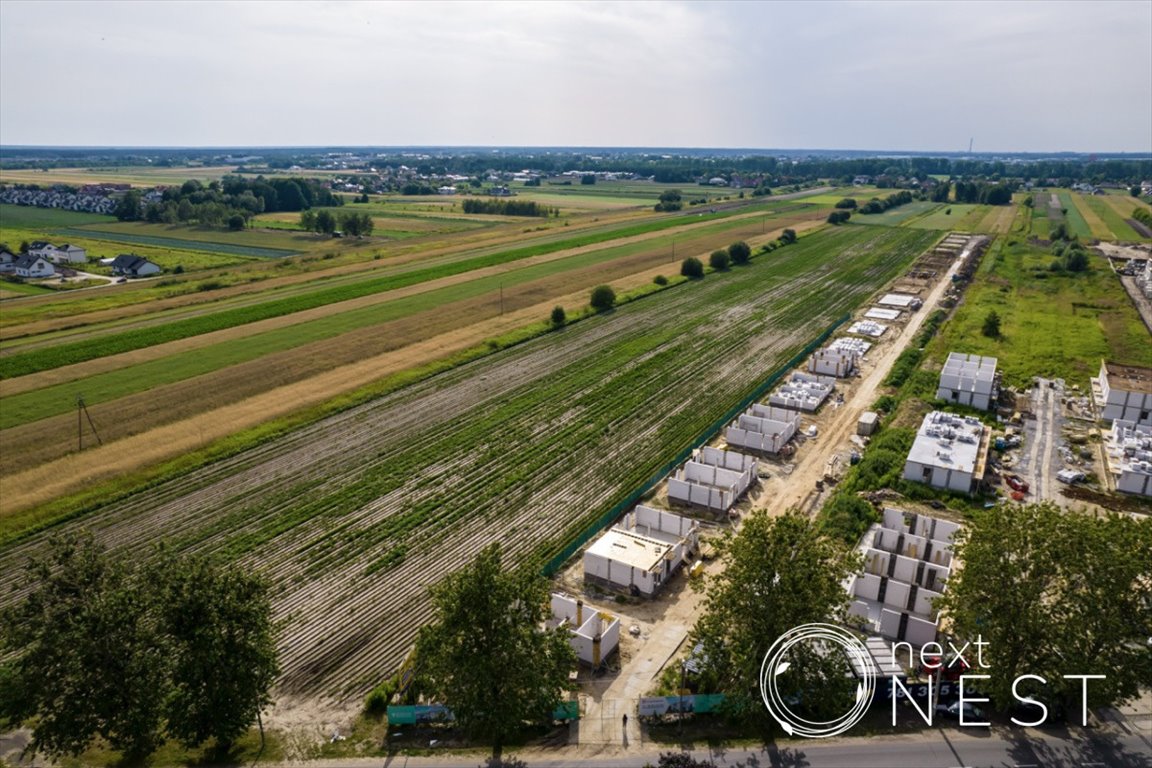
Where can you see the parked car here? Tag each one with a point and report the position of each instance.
(972, 713)
(1016, 483)
(1071, 476)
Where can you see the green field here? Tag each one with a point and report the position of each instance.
(42, 403)
(894, 217)
(1053, 325)
(1073, 218)
(1114, 220)
(528, 446)
(963, 217)
(182, 243)
(27, 217)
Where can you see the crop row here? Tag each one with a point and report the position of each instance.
(22, 364)
(36, 404)
(355, 516)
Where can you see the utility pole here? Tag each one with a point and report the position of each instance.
(81, 412)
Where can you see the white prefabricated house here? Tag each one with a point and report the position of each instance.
(868, 328)
(907, 563)
(763, 428)
(641, 552)
(969, 380)
(879, 313)
(827, 361)
(1129, 450)
(949, 452)
(900, 301)
(1124, 392)
(803, 392)
(594, 635)
(849, 344)
(713, 478)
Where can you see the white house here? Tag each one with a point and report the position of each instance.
(7, 261)
(907, 563)
(642, 551)
(713, 479)
(763, 428)
(130, 265)
(1124, 392)
(839, 362)
(1129, 450)
(969, 380)
(33, 266)
(70, 254)
(802, 392)
(949, 452)
(594, 635)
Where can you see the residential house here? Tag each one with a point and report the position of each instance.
(34, 266)
(131, 265)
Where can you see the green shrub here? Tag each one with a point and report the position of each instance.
(603, 298)
(692, 268)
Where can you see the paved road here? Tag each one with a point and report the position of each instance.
(938, 748)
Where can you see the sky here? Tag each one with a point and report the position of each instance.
(919, 76)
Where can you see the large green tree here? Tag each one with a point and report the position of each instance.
(780, 573)
(105, 647)
(215, 619)
(487, 654)
(1055, 593)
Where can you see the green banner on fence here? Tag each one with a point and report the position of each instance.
(556, 562)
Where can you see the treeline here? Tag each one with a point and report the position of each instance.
(232, 200)
(876, 205)
(986, 194)
(328, 223)
(508, 207)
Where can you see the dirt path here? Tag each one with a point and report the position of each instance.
(665, 623)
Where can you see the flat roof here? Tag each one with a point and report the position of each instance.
(974, 366)
(631, 548)
(1130, 378)
(897, 300)
(948, 441)
(882, 314)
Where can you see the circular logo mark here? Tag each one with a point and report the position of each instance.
(774, 665)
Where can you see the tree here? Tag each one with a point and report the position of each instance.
(325, 222)
(1028, 202)
(847, 203)
(603, 298)
(103, 646)
(660, 280)
(128, 209)
(308, 220)
(788, 236)
(740, 252)
(1134, 190)
(236, 222)
(486, 653)
(692, 268)
(588, 178)
(719, 260)
(1076, 260)
(88, 661)
(670, 200)
(1055, 593)
(781, 573)
(559, 316)
(991, 327)
(216, 619)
